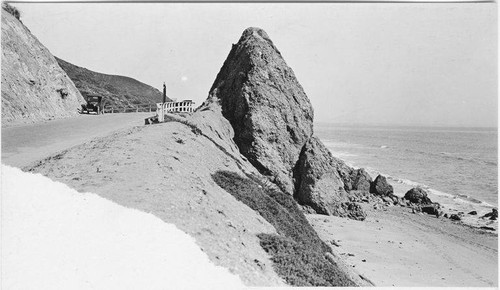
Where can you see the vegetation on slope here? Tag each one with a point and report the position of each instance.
(116, 90)
(12, 10)
(297, 252)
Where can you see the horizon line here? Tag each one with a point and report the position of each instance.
(406, 125)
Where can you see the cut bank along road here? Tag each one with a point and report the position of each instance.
(22, 145)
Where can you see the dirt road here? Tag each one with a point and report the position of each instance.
(25, 144)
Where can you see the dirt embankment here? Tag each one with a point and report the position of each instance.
(166, 170)
(34, 87)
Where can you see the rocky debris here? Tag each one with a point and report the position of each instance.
(354, 211)
(399, 201)
(34, 87)
(417, 195)
(362, 196)
(334, 243)
(493, 215)
(361, 180)
(387, 200)
(455, 217)
(270, 113)
(473, 212)
(432, 209)
(380, 186)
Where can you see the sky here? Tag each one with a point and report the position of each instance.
(359, 63)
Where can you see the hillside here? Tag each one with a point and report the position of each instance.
(34, 87)
(117, 90)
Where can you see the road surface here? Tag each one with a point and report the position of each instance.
(22, 145)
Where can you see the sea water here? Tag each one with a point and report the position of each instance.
(456, 165)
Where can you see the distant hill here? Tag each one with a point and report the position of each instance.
(116, 90)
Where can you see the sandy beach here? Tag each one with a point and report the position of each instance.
(395, 247)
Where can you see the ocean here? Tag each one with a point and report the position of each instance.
(458, 166)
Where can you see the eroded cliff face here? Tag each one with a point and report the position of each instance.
(272, 120)
(34, 87)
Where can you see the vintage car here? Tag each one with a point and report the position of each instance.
(94, 104)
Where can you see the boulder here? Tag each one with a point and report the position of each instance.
(455, 217)
(432, 209)
(381, 187)
(354, 211)
(268, 109)
(319, 185)
(473, 212)
(493, 215)
(417, 195)
(361, 180)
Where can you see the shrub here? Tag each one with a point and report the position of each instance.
(297, 252)
(12, 10)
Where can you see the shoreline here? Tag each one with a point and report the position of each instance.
(449, 203)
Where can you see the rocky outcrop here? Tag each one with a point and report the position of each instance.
(361, 180)
(345, 172)
(272, 120)
(417, 195)
(34, 87)
(319, 185)
(380, 186)
(267, 107)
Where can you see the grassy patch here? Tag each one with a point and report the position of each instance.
(297, 251)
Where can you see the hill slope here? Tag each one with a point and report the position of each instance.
(34, 87)
(117, 90)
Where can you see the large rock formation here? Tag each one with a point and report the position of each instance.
(267, 107)
(34, 87)
(272, 120)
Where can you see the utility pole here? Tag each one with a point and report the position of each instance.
(164, 93)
